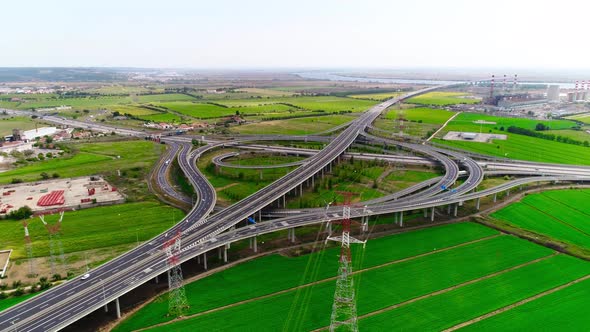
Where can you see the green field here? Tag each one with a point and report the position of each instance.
(443, 311)
(299, 126)
(92, 158)
(584, 117)
(442, 98)
(517, 146)
(391, 287)
(93, 228)
(91, 103)
(380, 96)
(564, 310)
(207, 294)
(562, 215)
(7, 123)
(420, 114)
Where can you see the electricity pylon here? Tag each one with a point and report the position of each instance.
(178, 302)
(29, 249)
(55, 245)
(344, 317)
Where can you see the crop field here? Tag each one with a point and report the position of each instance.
(442, 99)
(391, 282)
(206, 111)
(298, 126)
(380, 96)
(517, 146)
(133, 110)
(420, 114)
(564, 310)
(94, 102)
(265, 92)
(583, 117)
(19, 122)
(93, 228)
(92, 158)
(162, 117)
(206, 293)
(562, 215)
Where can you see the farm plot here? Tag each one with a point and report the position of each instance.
(555, 214)
(445, 310)
(310, 304)
(297, 126)
(309, 307)
(563, 310)
(443, 98)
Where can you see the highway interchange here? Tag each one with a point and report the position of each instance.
(202, 231)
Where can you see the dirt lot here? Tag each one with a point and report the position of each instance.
(75, 193)
(482, 138)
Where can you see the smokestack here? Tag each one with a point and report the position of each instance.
(514, 84)
(492, 87)
(504, 83)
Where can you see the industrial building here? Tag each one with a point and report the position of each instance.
(553, 93)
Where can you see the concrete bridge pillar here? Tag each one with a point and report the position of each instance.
(507, 193)
(395, 217)
(313, 181)
(250, 245)
(432, 214)
(284, 201)
(118, 308)
(198, 259)
(449, 209)
(219, 253)
(477, 204)
(301, 190)
(456, 207)
(329, 227)
(106, 307)
(225, 253)
(255, 244)
(495, 197)
(205, 260)
(157, 279)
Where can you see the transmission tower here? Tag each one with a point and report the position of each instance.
(178, 302)
(55, 245)
(29, 249)
(344, 317)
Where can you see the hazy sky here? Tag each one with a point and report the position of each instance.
(302, 33)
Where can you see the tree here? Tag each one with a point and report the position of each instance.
(44, 176)
(48, 139)
(20, 214)
(541, 127)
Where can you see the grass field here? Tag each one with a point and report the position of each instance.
(7, 123)
(91, 103)
(380, 96)
(421, 114)
(564, 310)
(439, 312)
(562, 215)
(583, 117)
(443, 98)
(309, 307)
(92, 158)
(299, 126)
(207, 293)
(93, 228)
(517, 146)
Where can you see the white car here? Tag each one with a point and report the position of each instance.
(86, 276)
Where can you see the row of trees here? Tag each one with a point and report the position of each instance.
(550, 137)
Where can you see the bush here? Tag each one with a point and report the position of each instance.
(55, 175)
(44, 176)
(16, 180)
(20, 214)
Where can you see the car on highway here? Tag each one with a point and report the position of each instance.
(86, 276)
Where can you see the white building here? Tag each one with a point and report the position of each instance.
(39, 132)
